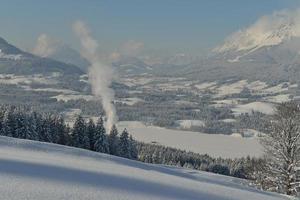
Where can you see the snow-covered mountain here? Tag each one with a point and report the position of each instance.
(35, 170)
(267, 31)
(267, 50)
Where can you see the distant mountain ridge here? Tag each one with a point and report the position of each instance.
(15, 61)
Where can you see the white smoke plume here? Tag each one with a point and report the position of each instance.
(45, 46)
(100, 74)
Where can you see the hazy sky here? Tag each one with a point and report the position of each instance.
(164, 26)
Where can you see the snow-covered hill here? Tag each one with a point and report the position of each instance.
(34, 170)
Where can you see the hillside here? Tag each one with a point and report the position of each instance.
(15, 61)
(34, 170)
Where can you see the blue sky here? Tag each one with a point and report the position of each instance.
(165, 26)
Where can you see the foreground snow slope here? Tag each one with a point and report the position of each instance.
(34, 170)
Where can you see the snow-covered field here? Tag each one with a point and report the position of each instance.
(262, 107)
(213, 144)
(233, 88)
(68, 97)
(35, 171)
(129, 101)
(11, 79)
(187, 124)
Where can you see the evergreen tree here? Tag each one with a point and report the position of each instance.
(20, 125)
(113, 141)
(101, 140)
(52, 132)
(133, 148)
(2, 113)
(9, 123)
(90, 131)
(124, 145)
(27, 127)
(79, 136)
(38, 127)
(46, 135)
(62, 131)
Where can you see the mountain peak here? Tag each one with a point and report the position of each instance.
(267, 31)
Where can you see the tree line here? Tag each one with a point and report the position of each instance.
(22, 122)
(158, 154)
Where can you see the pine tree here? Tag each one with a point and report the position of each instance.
(9, 123)
(124, 145)
(54, 132)
(79, 136)
(38, 127)
(101, 140)
(46, 132)
(113, 141)
(29, 129)
(2, 113)
(20, 125)
(90, 131)
(133, 148)
(32, 127)
(62, 131)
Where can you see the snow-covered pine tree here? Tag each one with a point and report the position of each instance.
(101, 140)
(79, 136)
(124, 145)
(2, 113)
(31, 127)
(20, 124)
(9, 123)
(46, 132)
(133, 148)
(90, 131)
(54, 133)
(282, 147)
(62, 131)
(113, 141)
(38, 127)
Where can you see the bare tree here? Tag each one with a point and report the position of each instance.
(282, 148)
